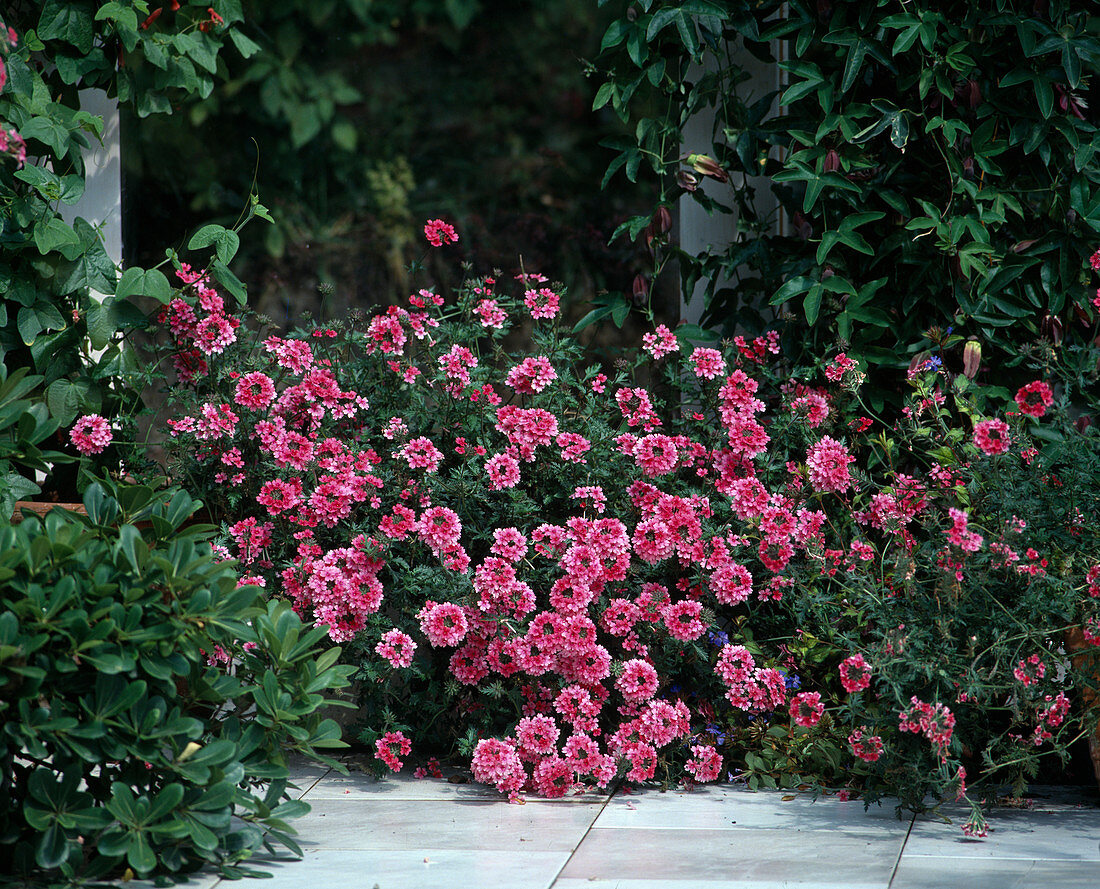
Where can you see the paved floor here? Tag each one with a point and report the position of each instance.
(403, 833)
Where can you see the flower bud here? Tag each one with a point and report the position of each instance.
(832, 161)
(708, 166)
(972, 358)
(1051, 329)
(662, 220)
(640, 289)
(687, 181)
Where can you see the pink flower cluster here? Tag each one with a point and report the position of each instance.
(935, 721)
(577, 541)
(91, 434)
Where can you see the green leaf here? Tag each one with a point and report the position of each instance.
(225, 242)
(68, 20)
(811, 305)
(144, 282)
(857, 52)
(94, 269)
(1044, 95)
(65, 399)
(55, 235)
(52, 848)
(140, 855)
(246, 46)
(124, 17)
(229, 281)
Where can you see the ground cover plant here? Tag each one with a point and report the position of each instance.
(148, 701)
(701, 561)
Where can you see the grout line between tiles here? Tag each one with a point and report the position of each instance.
(901, 851)
(587, 831)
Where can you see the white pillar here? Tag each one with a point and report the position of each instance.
(699, 231)
(101, 204)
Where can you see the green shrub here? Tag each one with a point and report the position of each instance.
(147, 704)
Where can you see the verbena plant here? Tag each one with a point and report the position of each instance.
(148, 702)
(702, 559)
(935, 164)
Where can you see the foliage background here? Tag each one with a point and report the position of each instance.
(370, 117)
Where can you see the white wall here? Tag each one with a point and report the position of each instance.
(101, 204)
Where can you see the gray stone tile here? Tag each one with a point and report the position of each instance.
(1055, 833)
(924, 872)
(804, 881)
(718, 808)
(396, 824)
(742, 856)
(414, 869)
(357, 785)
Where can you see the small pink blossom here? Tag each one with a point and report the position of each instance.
(439, 232)
(91, 434)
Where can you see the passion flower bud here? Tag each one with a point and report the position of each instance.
(708, 166)
(972, 358)
(832, 161)
(687, 181)
(973, 93)
(662, 220)
(1051, 329)
(640, 289)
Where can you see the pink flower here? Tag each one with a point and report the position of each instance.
(708, 363)
(444, 623)
(538, 735)
(827, 462)
(497, 762)
(491, 314)
(91, 434)
(637, 682)
(391, 746)
(705, 763)
(503, 471)
(806, 708)
(1034, 398)
(991, 436)
(397, 648)
(683, 620)
(255, 391)
(855, 673)
(935, 722)
(656, 454)
(420, 453)
(531, 375)
(1030, 671)
(542, 303)
(660, 343)
(839, 366)
(439, 232)
(869, 749)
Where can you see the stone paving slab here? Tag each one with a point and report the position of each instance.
(746, 856)
(403, 833)
(413, 869)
